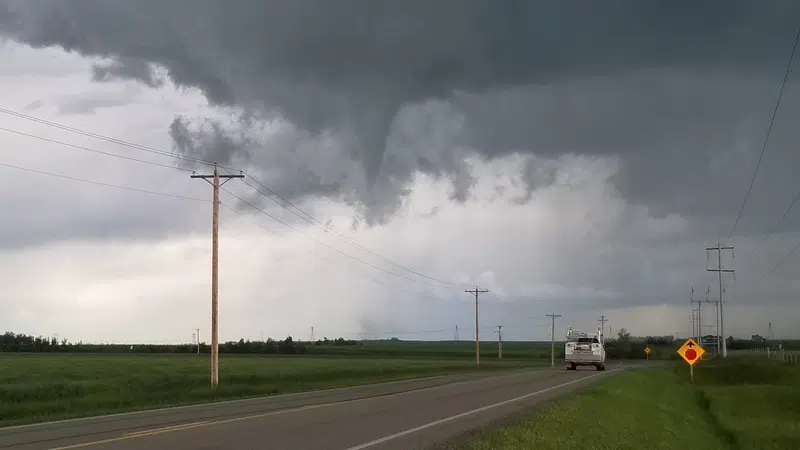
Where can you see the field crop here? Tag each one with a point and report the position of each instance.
(436, 349)
(35, 387)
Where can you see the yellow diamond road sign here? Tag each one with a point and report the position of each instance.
(691, 352)
(647, 350)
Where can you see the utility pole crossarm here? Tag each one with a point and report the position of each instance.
(221, 177)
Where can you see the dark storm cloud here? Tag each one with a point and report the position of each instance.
(673, 88)
(126, 69)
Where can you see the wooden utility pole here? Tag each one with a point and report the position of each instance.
(476, 292)
(198, 341)
(553, 339)
(215, 183)
(500, 342)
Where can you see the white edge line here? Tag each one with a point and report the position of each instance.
(469, 413)
(184, 427)
(250, 399)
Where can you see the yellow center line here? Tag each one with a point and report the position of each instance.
(158, 431)
(136, 435)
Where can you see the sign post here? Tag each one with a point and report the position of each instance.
(647, 353)
(691, 352)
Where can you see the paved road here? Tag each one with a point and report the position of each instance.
(401, 415)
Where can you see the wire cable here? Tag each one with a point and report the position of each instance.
(777, 224)
(101, 152)
(368, 277)
(313, 221)
(256, 208)
(785, 258)
(107, 138)
(100, 183)
(284, 203)
(769, 131)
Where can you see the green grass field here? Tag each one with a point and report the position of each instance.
(734, 404)
(50, 386)
(435, 349)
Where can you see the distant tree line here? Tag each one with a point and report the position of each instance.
(621, 346)
(337, 341)
(22, 343)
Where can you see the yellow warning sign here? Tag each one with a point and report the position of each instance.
(691, 352)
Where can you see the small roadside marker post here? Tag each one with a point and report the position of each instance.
(691, 352)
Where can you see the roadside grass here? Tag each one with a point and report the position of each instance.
(634, 410)
(754, 401)
(47, 387)
(734, 404)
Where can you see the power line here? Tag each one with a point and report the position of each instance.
(368, 277)
(112, 140)
(324, 243)
(101, 152)
(785, 258)
(778, 223)
(182, 198)
(315, 222)
(769, 131)
(100, 183)
(291, 207)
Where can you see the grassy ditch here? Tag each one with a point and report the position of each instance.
(741, 403)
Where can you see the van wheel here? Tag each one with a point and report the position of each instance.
(601, 367)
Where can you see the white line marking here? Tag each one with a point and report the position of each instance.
(164, 429)
(184, 427)
(312, 394)
(469, 413)
(224, 402)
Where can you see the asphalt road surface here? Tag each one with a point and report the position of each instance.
(400, 415)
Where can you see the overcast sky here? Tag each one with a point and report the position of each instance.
(571, 157)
